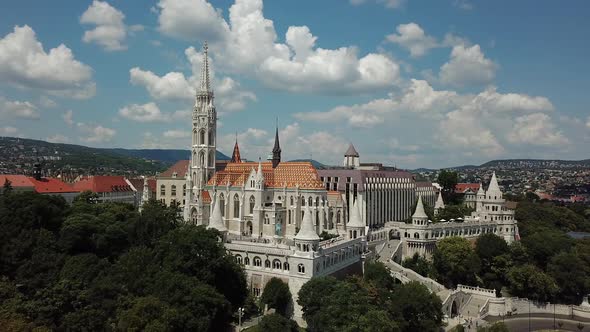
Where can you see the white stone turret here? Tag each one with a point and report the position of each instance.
(440, 203)
(216, 220)
(419, 217)
(351, 157)
(355, 226)
(307, 239)
(494, 191)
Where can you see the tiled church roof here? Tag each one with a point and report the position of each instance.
(180, 168)
(287, 174)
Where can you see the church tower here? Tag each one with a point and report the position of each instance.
(202, 163)
(276, 150)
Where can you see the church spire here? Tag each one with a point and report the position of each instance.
(205, 86)
(235, 157)
(276, 150)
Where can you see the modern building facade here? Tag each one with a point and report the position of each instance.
(384, 193)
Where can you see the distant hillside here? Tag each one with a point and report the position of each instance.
(163, 155)
(536, 163)
(315, 163)
(18, 154)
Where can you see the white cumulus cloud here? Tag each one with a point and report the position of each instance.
(95, 133)
(412, 37)
(24, 63)
(149, 112)
(110, 31)
(536, 129)
(18, 109)
(467, 66)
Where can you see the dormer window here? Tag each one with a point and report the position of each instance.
(174, 175)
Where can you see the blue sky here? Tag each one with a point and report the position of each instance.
(411, 83)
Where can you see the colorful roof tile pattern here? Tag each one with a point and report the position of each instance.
(286, 174)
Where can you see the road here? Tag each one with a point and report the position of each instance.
(521, 324)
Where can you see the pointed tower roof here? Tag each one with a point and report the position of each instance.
(205, 85)
(355, 216)
(440, 203)
(277, 146)
(480, 190)
(493, 187)
(276, 150)
(235, 157)
(351, 151)
(307, 231)
(216, 219)
(419, 213)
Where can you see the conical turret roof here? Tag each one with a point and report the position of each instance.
(351, 151)
(419, 213)
(307, 231)
(440, 203)
(493, 187)
(216, 219)
(355, 216)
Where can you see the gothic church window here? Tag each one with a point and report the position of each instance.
(222, 204)
(202, 137)
(257, 261)
(252, 203)
(236, 206)
(301, 268)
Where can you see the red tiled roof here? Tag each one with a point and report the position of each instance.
(287, 174)
(463, 187)
(205, 196)
(180, 168)
(52, 185)
(16, 181)
(103, 184)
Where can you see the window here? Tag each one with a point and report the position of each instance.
(173, 190)
(252, 203)
(267, 263)
(211, 137)
(222, 204)
(184, 190)
(211, 158)
(276, 264)
(300, 268)
(163, 190)
(239, 259)
(289, 217)
(246, 260)
(202, 137)
(236, 206)
(256, 292)
(291, 200)
(257, 261)
(286, 266)
(202, 159)
(310, 201)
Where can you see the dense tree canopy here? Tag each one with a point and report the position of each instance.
(448, 180)
(98, 266)
(374, 303)
(456, 262)
(276, 295)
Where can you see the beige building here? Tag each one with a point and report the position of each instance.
(171, 184)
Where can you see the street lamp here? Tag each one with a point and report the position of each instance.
(240, 313)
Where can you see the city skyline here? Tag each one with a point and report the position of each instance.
(405, 86)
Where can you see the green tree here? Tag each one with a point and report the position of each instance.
(276, 295)
(7, 187)
(543, 244)
(420, 308)
(378, 274)
(531, 282)
(277, 323)
(453, 211)
(147, 314)
(571, 274)
(448, 180)
(419, 264)
(455, 262)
